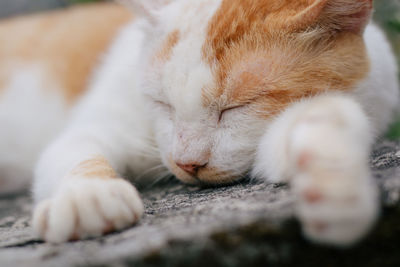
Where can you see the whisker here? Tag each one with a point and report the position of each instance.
(148, 171)
(163, 176)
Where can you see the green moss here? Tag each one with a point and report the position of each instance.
(394, 24)
(387, 14)
(394, 131)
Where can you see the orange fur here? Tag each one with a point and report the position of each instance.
(165, 52)
(214, 176)
(270, 53)
(97, 167)
(68, 43)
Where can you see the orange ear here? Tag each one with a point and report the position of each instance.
(337, 15)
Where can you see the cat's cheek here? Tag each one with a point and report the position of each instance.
(163, 129)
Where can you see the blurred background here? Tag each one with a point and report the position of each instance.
(387, 14)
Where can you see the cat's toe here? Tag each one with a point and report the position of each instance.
(333, 209)
(340, 221)
(87, 208)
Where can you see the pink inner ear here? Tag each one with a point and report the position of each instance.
(350, 15)
(359, 20)
(340, 15)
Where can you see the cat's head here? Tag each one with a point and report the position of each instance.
(218, 71)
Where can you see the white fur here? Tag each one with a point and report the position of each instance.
(108, 121)
(138, 113)
(379, 92)
(85, 207)
(332, 135)
(30, 117)
(183, 92)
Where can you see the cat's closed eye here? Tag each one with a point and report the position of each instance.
(163, 105)
(227, 110)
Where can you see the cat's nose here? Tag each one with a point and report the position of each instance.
(191, 168)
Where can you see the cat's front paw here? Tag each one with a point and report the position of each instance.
(336, 198)
(85, 208)
(332, 216)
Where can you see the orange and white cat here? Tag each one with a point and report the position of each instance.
(208, 90)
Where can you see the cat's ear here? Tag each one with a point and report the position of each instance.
(338, 15)
(146, 8)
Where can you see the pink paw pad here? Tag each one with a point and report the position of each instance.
(304, 160)
(319, 226)
(312, 195)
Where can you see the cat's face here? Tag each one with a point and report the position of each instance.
(218, 71)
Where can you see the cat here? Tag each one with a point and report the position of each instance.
(209, 91)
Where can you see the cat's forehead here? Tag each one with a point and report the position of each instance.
(214, 27)
(244, 51)
(185, 72)
(197, 35)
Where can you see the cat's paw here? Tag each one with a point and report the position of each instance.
(336, 198)
(85, 208)
(332, 215)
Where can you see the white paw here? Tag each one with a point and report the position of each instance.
(337, 200)
(331, 215)
(87, 207)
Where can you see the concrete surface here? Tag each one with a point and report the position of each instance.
(247, 224)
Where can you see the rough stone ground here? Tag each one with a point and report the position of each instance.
(247, 224)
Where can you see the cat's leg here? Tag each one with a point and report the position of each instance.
(321, 147)
(78, 190)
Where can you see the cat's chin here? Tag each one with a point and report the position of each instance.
(206, 177)
(208, 181)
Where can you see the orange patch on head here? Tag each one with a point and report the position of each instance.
(69, 43)
(165, 52)
(97, 167)
(270, 53)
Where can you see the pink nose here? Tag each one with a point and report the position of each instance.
(191, 168)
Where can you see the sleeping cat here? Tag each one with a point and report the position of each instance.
(210, 91)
